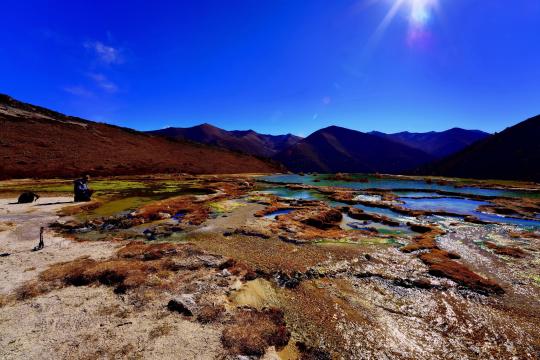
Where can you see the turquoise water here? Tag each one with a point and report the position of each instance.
(417, 200)
(294, 194)
(380, 211)
(465, 207)
(416, 194)
(457, 206)
(377, 183)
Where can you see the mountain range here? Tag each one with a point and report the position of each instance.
(337, 149)
(437, 144)
(37, 142)
(247, 141)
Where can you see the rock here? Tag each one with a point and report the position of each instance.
(150, 235)
(359, 214)
(422, 229)
(474, 220)
(164, 215)
(264, 234)
(183, 304)
(27, 197)
(225, 273)
(324, 219)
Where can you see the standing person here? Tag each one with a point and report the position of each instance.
(81, 190)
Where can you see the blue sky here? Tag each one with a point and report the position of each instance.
(277, 66)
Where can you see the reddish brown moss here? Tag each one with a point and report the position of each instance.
(251, 332)
(505, 250)
(137, 265)
(440, 264)
(426, 241)
(210, 313)
(142, 251)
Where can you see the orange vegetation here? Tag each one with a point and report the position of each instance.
(441, 264)
(251, 332)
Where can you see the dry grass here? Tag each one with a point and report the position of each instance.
(79, 208)
(426, 241)
(160, 330)
(505, 250)
(141, 251)
(136, 265)
(32, 289)
(251, 332)
(210, 313)
(4, 300)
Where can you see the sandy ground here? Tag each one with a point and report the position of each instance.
(81, 322)
(20, 224)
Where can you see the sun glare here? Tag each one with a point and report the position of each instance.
(420, 11)
(419, 14)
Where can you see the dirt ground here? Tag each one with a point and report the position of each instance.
(81, 322)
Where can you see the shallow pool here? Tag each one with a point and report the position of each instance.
(378, 183)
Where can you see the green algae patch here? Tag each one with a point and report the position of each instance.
(225, 206)
(536, 279)
(120, 205)
(348, 241)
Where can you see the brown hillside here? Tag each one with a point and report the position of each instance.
(37, 142)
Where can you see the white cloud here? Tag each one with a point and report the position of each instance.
(105, 53)
(103, 82)
(78, 91)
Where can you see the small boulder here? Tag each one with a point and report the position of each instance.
(183, 304)
(324, 219)
(27, 197)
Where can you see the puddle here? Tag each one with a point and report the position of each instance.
(457, 206)
(348, 223)
(274, 214)
(417, 194)
(294, 194)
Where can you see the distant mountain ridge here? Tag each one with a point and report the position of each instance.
(337, 149)
(437, 144)
(512, 154)
(247, 141)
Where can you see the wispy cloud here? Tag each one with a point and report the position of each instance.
(103, 82)
(78, 91)
(105, 53)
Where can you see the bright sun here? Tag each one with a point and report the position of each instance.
(419, 14)
(420, 11)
